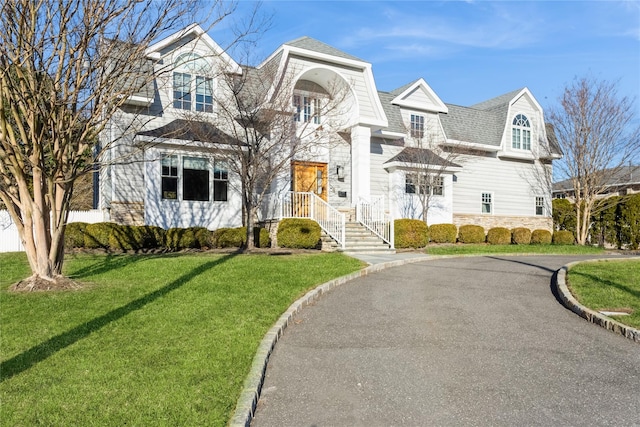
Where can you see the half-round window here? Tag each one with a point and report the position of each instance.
(192, 90)
(521, 133)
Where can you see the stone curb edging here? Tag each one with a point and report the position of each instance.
(592, 316)
(248, 401)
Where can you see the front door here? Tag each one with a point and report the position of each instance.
(308, 177)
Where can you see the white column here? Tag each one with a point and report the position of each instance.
(360, 163)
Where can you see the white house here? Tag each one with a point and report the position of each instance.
(381, 155)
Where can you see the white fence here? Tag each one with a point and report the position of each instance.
(309, 205)
(10, 240)
(371, 214)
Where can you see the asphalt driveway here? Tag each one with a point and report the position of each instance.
(451, 342)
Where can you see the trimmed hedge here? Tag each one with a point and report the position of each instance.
(98, 235)
(298, 233)
(499, 236)
(443, 233)
(410, 233)
(471, 234)
(520, 236)
(563, 237)
(188, 238)
(540, 237)
(74, 234)
(229, 237)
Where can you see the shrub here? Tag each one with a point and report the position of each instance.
(499, 236)
(183, 238)
(521, 236)
(203, 237)
(410, 233)
(471, 234)
(443, 233)
(540, 237)
(123, 237)
(564, 214)
(152, 236)
(74, 234)
(229, 237)
(97, 235)
(563, 237)
(298, 233)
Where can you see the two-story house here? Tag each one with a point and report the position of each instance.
(379, 156)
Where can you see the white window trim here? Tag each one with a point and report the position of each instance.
(521, 131)
(491, 203)
(211, 163)
(194, 74)
(417, 120)
(543, 205)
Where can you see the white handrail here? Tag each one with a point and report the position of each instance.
(309, 205)
(372, 215)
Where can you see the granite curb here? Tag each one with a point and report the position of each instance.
(592, 316)
(248, 401)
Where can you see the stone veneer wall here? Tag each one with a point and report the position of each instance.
(127, 213)
(510, 222)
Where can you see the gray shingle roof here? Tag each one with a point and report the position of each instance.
(394, 118)
(187, 130)
(314, 45)
(625, 175)
(421, 156)
(473, 125)
(401, 89)
(498, 101)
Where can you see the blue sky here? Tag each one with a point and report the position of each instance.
(470, 51)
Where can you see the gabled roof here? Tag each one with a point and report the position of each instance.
(422, 156)
(624, 175)
(497, 102)
(394, 117)
(188, 130)
(314, 45)
(418, 95)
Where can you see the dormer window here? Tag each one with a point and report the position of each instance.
(521, 133)
(417, 126)
(188, 80)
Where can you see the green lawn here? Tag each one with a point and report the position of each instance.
(150, 340)
(479, 249)
(608, 285)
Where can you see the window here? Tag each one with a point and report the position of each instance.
(486, 203)
(417, 126)
(539, 205)
(220, 182)
(188, 80)
(182, 91)
(521, 133)
(195, 179)
(204, 94)
(424, 184)
(307, 109)
(170, 177)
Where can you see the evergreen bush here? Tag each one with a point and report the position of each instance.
(182, 238)
(298, 233)
(563, 237)
(499, 236)
(410, 233)
(521, 236)
(74, 234)
(97, 235)
(443, 233)
(471, 234)
(540, 237)
(229, 237)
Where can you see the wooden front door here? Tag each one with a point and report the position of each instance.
(310, 178)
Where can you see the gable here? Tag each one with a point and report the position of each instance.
(419, 96)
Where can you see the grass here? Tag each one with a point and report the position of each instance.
(479, 249)
(150, 339)
(608, 285)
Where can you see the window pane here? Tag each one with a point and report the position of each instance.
(296, 108)
(182, 91)
(204, 94)
(195, 179)
(220, 182)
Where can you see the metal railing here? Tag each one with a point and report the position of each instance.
(372, 215)
(309, 205)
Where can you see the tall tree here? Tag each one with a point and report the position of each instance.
(62, 68)
(598, 134)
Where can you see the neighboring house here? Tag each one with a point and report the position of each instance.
(622, 181)
(488, 164)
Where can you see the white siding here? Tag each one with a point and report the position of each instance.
(514, 185)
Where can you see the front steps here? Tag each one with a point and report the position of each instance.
(358, 240)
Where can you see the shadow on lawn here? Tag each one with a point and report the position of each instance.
(42, 351)
(606, 282)
(111, 262)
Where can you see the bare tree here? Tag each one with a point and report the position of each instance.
(267, 129)
(596, 131)
(66, 68)
(427, 163)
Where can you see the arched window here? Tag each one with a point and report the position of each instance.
(189, 79)
(307, 102)
(521, 133)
